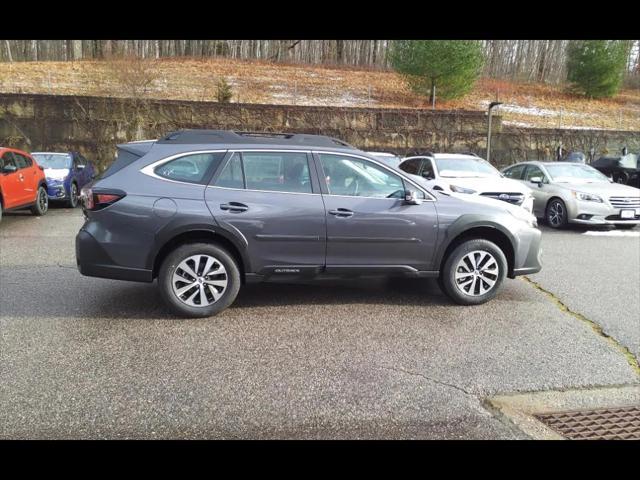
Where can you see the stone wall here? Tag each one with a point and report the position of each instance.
(93, 125)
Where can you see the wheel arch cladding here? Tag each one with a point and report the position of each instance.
(485, 232)
(204, 236)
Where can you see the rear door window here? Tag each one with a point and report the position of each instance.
(8, 159)
(515, 172)
(195, 168)
(277, 171)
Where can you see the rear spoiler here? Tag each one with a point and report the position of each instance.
(139, 149)
(127, 154)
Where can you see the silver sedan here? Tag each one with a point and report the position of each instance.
(573, 193)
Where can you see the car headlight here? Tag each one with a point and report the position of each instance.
(527, 204)
(587, 197)
(525, 216)
(457, 189)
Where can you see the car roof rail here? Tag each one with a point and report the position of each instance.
(230, 137)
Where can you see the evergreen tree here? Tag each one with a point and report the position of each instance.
(596, 67)
(448, 67)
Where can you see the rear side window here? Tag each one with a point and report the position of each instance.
(277, 171)
(7, 159)
(270, 171)
(515, 172)
(194, 168)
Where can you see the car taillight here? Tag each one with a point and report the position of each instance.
(97, 200)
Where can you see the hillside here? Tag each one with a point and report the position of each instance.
(531, 105)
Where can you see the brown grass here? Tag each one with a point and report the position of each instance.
(537, 105)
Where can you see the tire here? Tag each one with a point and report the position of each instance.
(556, 214)
(73, 196)
(190, 303)
(458, 263)
(42, 202)
(0, 211)
(625, 227)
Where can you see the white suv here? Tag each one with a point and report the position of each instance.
(469, 174)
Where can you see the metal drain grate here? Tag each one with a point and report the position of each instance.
(604, 424)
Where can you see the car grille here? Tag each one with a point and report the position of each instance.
(625, 202)
(514, 198)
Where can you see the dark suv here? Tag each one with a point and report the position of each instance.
(205, 211)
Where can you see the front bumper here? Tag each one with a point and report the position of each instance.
(528, 254)
(57, 191)
(593, 213)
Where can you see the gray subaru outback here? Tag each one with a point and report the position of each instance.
(205, 211)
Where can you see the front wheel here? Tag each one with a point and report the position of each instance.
(199, 280)
(474, 272)
(42, 202)
(556, 214)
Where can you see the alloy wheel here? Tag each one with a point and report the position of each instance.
(199, 280)
(476, 273)
(556, 214)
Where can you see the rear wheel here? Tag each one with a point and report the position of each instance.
(42, 202)
(556, 214)
(199, 280)
(473, 273)
(73, 196)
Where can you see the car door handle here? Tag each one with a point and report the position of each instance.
(341, 212)
(234, 207)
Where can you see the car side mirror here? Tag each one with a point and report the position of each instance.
(537, 180)
(427, 176)
(411, 198)
(9, 169)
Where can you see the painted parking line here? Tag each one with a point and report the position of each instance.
(613, 233)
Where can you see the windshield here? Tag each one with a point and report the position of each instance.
(53, 160)
(573, 173)
(465, 167)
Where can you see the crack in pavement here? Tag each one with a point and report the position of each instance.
(439, 382)
(595, 326)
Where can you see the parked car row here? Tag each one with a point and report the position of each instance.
(559, 192)
(29, 181)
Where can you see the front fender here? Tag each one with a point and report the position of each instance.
(467, 222)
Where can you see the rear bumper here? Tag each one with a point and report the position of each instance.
(93, 261)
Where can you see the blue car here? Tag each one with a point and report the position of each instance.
(66, 173)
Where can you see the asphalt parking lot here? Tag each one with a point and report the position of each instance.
(89, 358)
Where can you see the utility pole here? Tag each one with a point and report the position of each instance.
(491, 105)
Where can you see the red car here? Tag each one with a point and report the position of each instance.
(22, 182)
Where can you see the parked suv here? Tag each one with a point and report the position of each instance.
(467, 174)
(67, 173)
(205, 211)
(22, 182)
